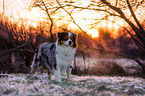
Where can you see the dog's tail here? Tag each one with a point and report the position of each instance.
(35, 69)
(34, 65)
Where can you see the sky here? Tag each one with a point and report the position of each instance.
(16, 9)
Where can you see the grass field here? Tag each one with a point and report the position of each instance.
(38, 85)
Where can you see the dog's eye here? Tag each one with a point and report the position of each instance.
(72, 37)
(66, 38)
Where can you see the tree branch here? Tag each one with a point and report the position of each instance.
(49, 18)
(135, 29)
(13, 50)
(122, 15)
(71, 17)
(100, 46)
(118, 10)
(133, 14)
(87, 8)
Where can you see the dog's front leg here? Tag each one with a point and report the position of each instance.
(68, 72)
(57, 74)
(49, 75)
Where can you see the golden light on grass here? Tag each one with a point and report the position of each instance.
(94, 33)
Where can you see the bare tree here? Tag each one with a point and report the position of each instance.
(117, 8)
(46, 6)
(139, 38)
(108, 8)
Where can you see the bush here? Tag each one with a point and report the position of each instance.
(106, 68)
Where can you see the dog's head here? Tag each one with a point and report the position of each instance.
(67, 39)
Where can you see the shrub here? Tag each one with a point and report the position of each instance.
(106, 68)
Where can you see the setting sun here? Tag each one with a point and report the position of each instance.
(23, 11)
(94, 33)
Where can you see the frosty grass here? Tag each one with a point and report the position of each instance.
(38, 85)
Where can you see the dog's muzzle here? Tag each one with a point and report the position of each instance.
(70, 42)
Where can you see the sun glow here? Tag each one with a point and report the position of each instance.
(86, 19)
(94, 33)
(35, 16)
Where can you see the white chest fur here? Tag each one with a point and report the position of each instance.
(64, 55)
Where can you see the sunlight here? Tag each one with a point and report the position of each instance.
(84, 18)
(35, 16)
(94, 33)
(72, 26)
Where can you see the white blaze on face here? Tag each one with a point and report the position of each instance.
(69, 41)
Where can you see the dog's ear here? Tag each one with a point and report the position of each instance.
(74, 36)
(58, 35)
(62, 35)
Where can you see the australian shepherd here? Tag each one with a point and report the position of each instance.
(56, 57)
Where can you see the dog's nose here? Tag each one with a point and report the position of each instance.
(70, 42)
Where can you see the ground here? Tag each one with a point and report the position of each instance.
(21, 85)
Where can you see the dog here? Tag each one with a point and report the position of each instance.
(56, 57)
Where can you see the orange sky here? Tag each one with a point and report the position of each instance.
(19, 9)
